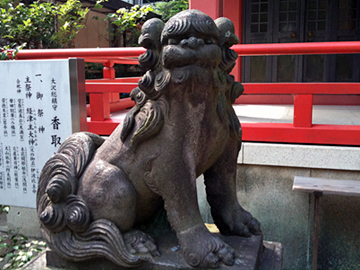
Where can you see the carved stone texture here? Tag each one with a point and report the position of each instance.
(94, 193)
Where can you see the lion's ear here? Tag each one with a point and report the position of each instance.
(227, 32)
(227, 39)
(150, 39)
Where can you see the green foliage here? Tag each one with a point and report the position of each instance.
(18, 249)
(70, 17)
(126, 19)
(41, 24)
(5, 51)
(129, 21)
(169, 9)
(98, 3)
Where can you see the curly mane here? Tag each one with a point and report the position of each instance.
(156, 79)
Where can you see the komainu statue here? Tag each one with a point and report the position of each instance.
(94, 194)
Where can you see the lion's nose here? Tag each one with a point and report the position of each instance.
(192, 43)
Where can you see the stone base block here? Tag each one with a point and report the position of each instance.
(251, 254)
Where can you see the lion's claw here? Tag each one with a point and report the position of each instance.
(254, 226)
(211, 261)
(227, 256)
(237, 221)
(203, 249)
(139, 242)
(241, 230)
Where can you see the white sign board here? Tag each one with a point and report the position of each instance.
(39, 101)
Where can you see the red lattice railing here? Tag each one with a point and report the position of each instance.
(104, 97)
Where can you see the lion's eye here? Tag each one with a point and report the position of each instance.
(209, 41)
(173, 41)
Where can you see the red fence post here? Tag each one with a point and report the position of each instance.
(303, 105)
(99, 106)
(100, 102)
(109, 73)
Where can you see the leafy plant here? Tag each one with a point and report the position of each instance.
(127, 23)
(40, 24)
(70, 17)
(17, 249)
(5, 52)
(169, 9)
(129, 19)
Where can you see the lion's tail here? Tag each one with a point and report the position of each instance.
(65, 218)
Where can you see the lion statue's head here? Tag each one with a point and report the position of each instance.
(190, 46)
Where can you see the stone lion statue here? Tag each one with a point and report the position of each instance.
(94, 192)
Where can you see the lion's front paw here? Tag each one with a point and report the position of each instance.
(203, 249)
(237, 221)
(139, 242)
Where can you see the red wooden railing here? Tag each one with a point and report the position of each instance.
(104, 92)
(302, 130)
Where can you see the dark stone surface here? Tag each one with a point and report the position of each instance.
(248, 252)
(96, 195)
(272, 258)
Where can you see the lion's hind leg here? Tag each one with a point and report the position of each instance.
(66, 219)
(109, 194)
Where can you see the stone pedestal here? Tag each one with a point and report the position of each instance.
(251, 254)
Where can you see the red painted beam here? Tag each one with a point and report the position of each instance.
(114, 85)
(117, 60)
(116, 80)
(272, 132)
(120, 105)
(102, 127)
(298, 48)
(286, 133)
(109, 87)
(250, 88)
(80, 53)
(241, 49)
